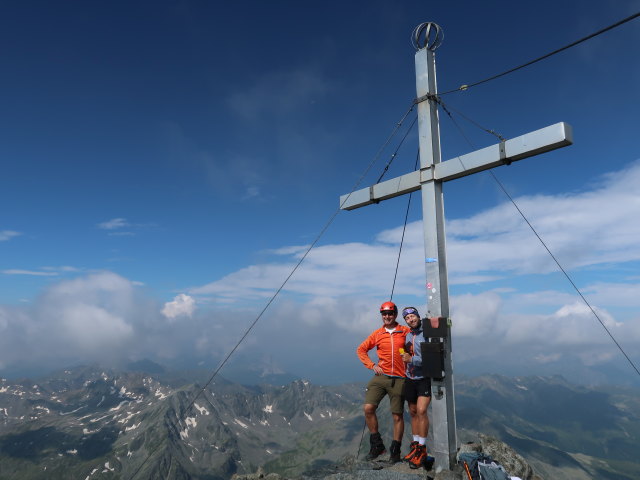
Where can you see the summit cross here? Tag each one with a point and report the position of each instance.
(433, 173)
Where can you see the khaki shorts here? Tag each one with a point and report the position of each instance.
(381, 385)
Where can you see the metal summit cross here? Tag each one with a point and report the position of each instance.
(429, 179)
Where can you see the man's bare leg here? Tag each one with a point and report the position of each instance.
(398, 426)
(370, 417)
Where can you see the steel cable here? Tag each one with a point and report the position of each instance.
(584, 39)
(286, 280)
(535, 232)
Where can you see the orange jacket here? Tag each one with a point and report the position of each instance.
(388, 345)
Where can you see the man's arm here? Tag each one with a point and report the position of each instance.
(363, 351)
(417, 354)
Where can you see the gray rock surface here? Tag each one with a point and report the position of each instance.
(514, 464)
(512, 461)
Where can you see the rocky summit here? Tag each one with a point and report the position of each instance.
(350, 469)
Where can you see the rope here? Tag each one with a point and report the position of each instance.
(404, 228)
(584, 39)
(360, 444)
(488, 130)
(393, 156)
(557, 262)
(273, 297)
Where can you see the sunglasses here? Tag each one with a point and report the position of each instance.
(388, 313)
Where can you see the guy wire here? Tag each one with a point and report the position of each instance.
(557, 262)
(584, 39)
(404, 228)
(273, 297)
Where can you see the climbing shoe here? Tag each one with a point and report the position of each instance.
(395, 452)
(412, 450)
(419, 457)
(377, 447)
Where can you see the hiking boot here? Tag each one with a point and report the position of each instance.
(428, 462)
(412, 450)
(377, 447)
(395, 452)
(419, 457)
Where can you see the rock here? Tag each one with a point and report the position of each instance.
(259, 475)
(351, 469)
(469, 447)
(456, 474)
(512, 461)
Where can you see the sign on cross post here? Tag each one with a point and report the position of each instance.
(429, 179)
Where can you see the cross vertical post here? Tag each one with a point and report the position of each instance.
(433, 173)
(443, 411)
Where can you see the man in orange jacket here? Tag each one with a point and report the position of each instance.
(389, 377)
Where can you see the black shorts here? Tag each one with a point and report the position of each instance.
(416, 388)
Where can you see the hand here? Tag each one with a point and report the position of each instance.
(377, 370)
(406, 357)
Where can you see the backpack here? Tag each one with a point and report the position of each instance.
(470, 460)
(492, 471)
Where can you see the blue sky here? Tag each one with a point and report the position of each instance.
(165, 163)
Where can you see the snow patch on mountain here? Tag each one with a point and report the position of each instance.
(119, 405)
(191, 422)
(132, 427)
(202, 410)
(243, 425)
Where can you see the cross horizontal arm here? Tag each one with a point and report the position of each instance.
(528, 145)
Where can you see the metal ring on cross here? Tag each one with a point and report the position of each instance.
(427, 35)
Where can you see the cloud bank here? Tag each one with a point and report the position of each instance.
(512, 312)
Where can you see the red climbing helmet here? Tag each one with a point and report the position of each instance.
(389, 307)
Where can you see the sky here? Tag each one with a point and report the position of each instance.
(166, 164)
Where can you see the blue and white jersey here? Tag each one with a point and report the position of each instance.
(414, 340)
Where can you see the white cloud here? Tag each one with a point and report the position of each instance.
(114, 224)
(89, 327)
(544, 358)
(43, 272)
(589, 232)
(8, 235)
(476, 315)
(84, 319)
(182, 305)
(63, 268)
(584, 229)
(29, 272)
(252, 191)
(103, 317)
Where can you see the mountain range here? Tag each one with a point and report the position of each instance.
(87, 423)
